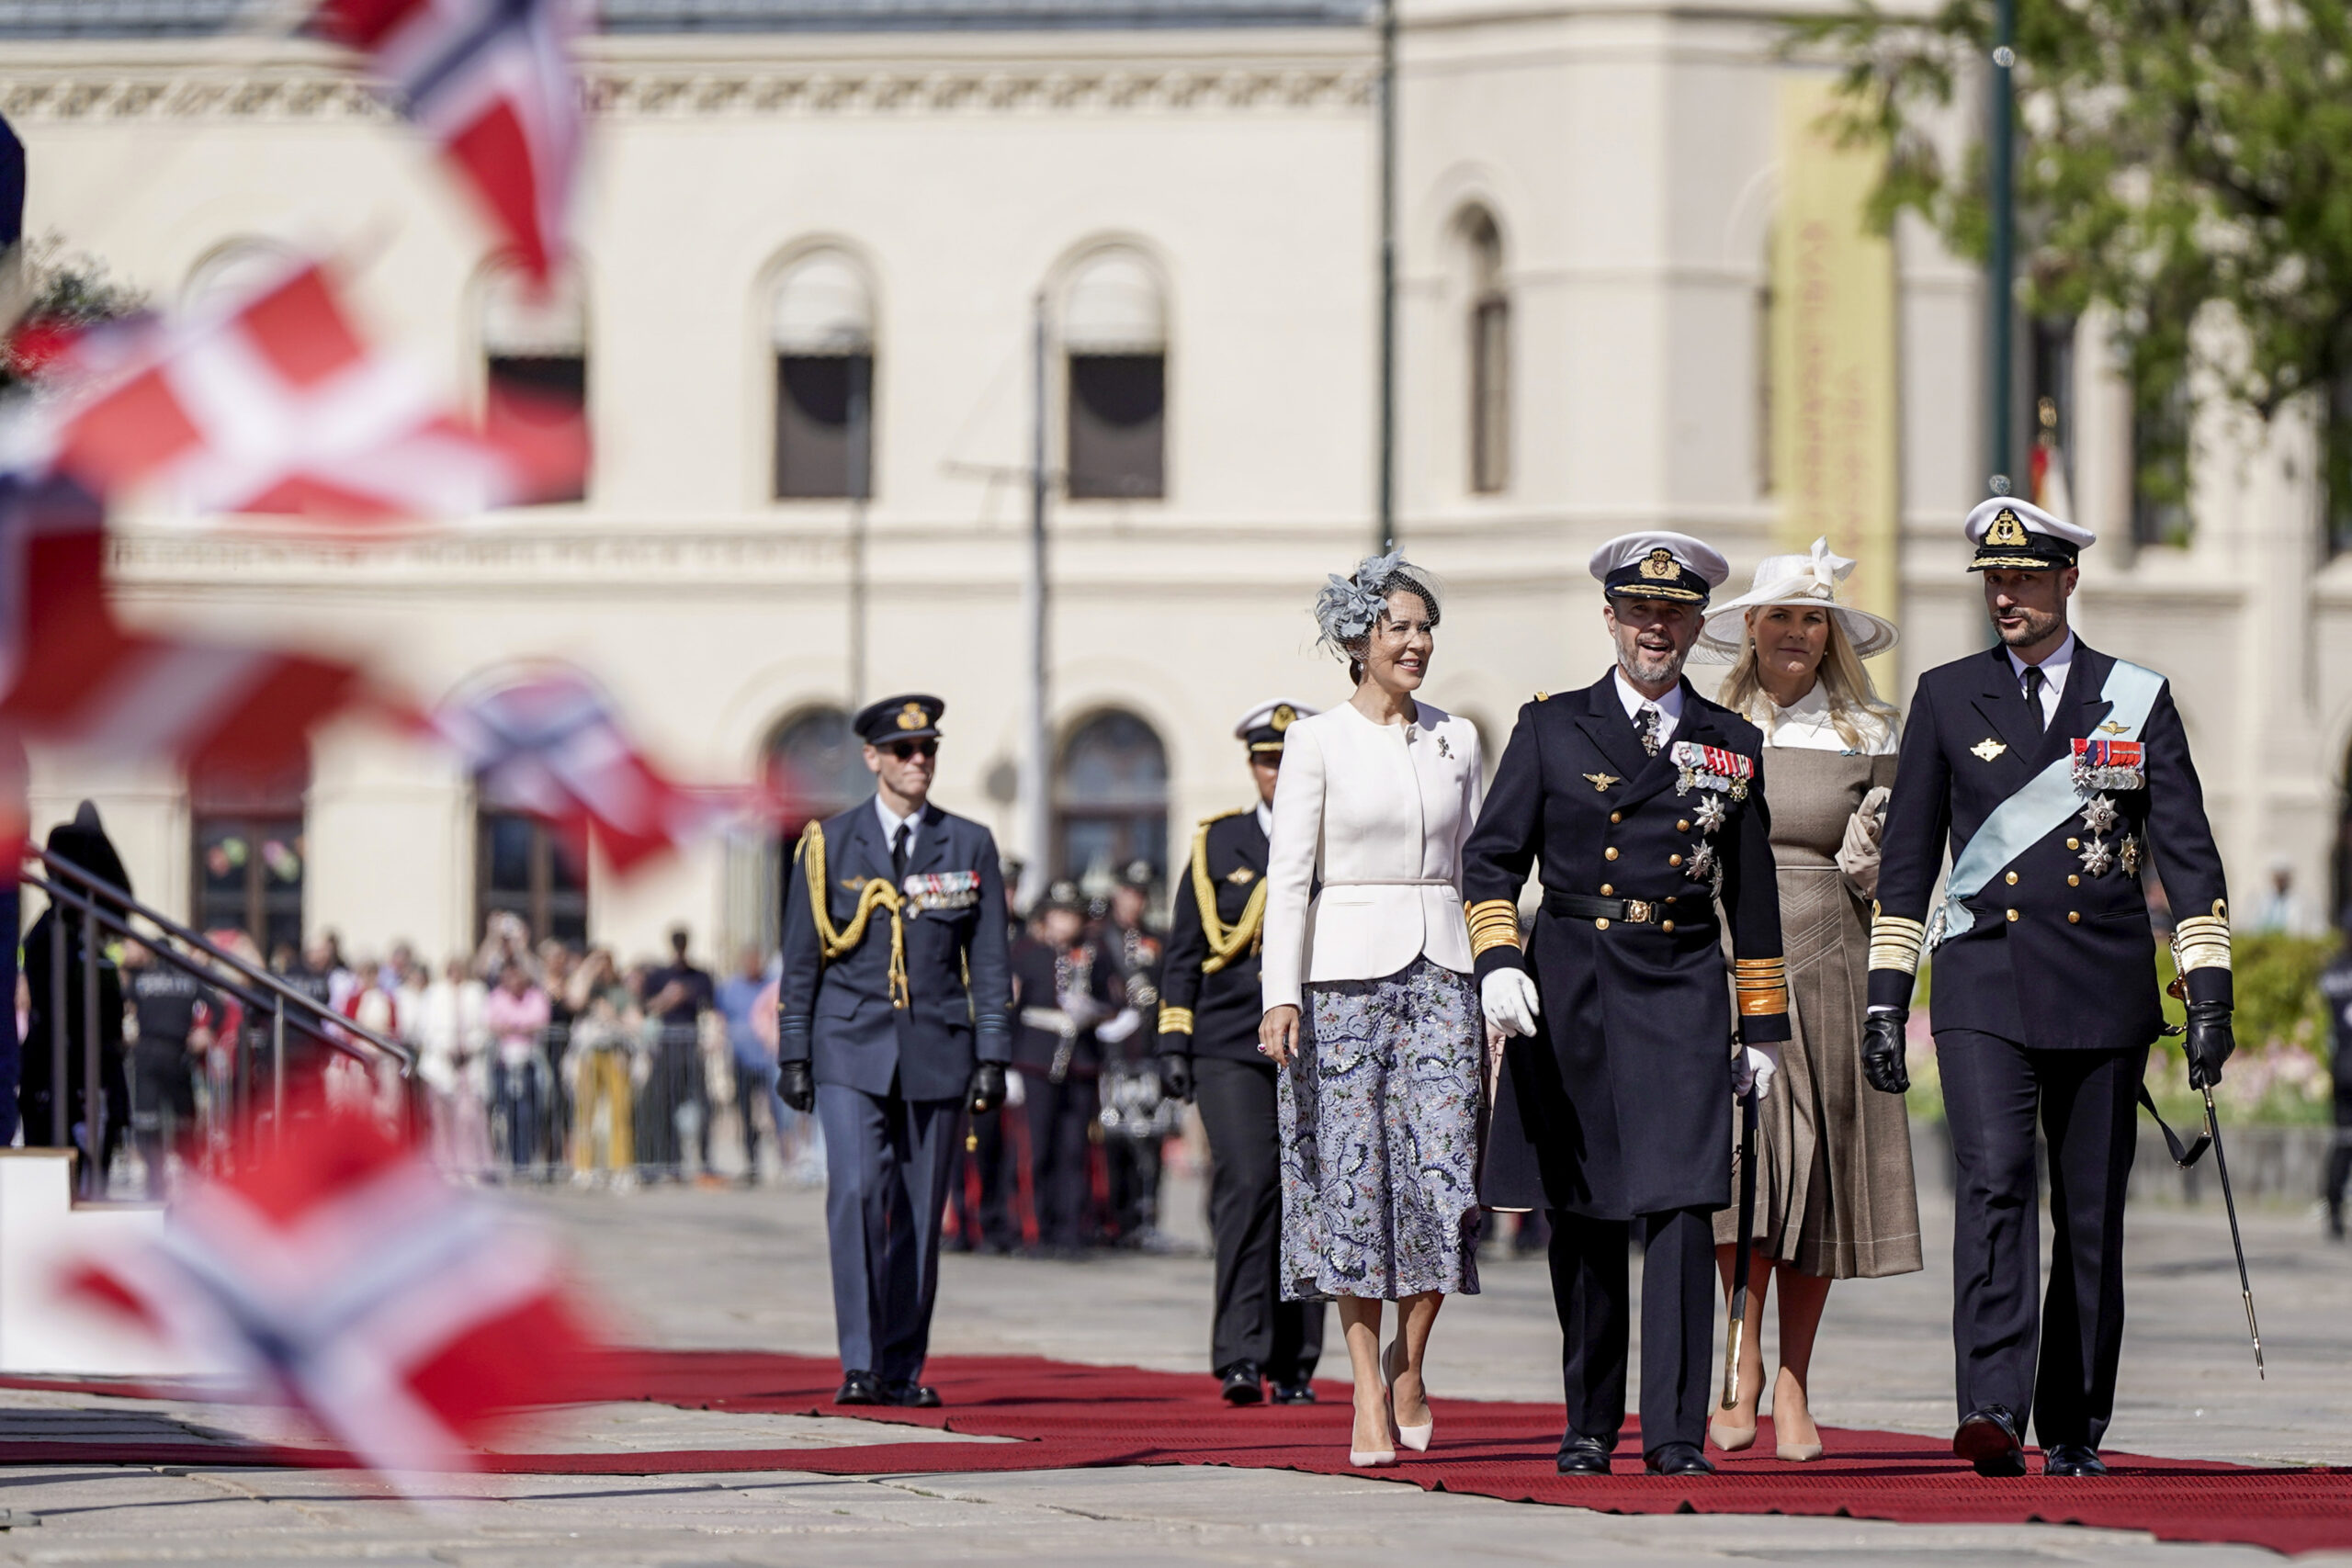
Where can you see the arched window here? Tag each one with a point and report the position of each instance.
(821, 328)
(1111, 799)
(1489, 361)
(237, 268)
(817, 767)
(534, 359)
(1115, 332)
(246, 832)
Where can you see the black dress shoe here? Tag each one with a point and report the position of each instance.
(911, 1396)
(1580, 1455)
(1677, 1459)
(1244, 1385)
(2071, 1458)
(1988, 1439)
(859, 1388)
(1299, 1393)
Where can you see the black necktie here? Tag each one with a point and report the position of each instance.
(1646, 722)
(899, 850)
(2034, 680)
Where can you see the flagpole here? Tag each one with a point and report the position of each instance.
(860, 443)
(2000, 270)
(1385, 523)
(1034, 778)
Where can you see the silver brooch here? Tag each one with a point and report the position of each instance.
(1699, 863)
(2098, 856)
(1443, 750)
(2099, 815)
(1709, 814)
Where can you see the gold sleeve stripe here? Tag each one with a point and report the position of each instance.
(1762, 985)
(2203, 942)
(1494, 923)
(1175, 1020)
(1763, 1003)
(1896, 943)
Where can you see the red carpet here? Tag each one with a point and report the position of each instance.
(1069, 1417)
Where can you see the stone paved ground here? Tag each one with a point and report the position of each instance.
(747, 1269)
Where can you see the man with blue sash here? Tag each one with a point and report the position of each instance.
(2055, 773)
(892, 1020)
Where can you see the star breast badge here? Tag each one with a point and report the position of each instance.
(1989, 748)
(1709, 814)
(2099, 815)
(1602, 780)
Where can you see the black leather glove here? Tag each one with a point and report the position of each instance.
(2211, 1042)
(1882, 1051)
(796, 1085)
(1176, 1076)
(988, 1087)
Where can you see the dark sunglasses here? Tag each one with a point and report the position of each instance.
(905, 749)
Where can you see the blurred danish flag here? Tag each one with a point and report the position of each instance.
(337, 1271)
(491, 81)
(548, 742)
(279, 405)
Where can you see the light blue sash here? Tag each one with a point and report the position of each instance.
(2047, 800)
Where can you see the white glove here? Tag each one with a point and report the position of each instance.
(1507, 998)
(1757, 1068)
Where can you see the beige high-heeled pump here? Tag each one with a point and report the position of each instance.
(1728, 1438)
(1414, 1437)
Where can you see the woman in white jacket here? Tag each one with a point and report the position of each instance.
(1370, 1007)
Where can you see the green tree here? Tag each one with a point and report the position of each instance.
(56, 289)
(2174, 157)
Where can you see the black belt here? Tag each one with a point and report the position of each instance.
(1632, 911)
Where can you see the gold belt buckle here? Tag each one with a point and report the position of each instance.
(1639, 912)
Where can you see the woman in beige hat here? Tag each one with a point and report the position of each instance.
(1834, 1199)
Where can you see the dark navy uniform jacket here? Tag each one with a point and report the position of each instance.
(2061, 954)
(1214, 1015)
(1620, 1104)
(839, 1016)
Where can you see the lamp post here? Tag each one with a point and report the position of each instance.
(2000, 264)
(1383, 531)
(1035, 776)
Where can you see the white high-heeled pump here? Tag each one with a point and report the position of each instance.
(1414, 1437)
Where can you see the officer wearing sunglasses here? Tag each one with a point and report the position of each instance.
(887, 908)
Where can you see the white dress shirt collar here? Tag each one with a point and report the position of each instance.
(1266, 821)
(891, 821)
(2055, 670)
(1670, 707)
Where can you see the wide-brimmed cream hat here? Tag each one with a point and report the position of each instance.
(1796, 579)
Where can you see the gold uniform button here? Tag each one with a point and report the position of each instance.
(2073, 919)
(1616, 817)
(1674, 860)
(2013, 914)
(1666, 926)
(1682, 826)
(1607, 891)
(1600, 925)
(2074, 843)
(1609, 853)
(2013, 879)
(2073, 881)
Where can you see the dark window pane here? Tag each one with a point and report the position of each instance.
(1491, 396)
(506, 852)
(2051, 439)
(532, 394)
(1118, 406)
(523, 868)
(248, 876)
(1111, 798)
(820, 401)
(2160, 427)
(2335, 519)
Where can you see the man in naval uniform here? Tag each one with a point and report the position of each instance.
(2054, 773)
(887, 908)
(1208, 1052)
(1641, 805)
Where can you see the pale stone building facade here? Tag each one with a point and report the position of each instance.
(792, 199)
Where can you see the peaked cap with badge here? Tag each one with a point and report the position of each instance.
(913, 716)
(1659, 565)
(2046, 987)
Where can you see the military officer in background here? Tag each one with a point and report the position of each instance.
(892, 1021)
(1641, 805)
(1209, 1007)
(1136, 1116)
(2054, 773)
(1062, 991)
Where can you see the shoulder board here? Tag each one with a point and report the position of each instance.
(1542, 697)
(1224, 815)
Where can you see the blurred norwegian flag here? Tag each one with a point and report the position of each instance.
(492, 81)
(69, 674)
(279, 405)
(548, 742)
(338, 1272)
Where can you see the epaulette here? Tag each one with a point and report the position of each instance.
(1542, 697)
(1237, 811)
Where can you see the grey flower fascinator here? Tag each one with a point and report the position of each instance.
(1347, 608)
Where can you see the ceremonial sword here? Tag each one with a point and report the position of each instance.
(1739, 1268)
(2178, 991)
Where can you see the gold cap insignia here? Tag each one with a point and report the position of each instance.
(912, 716)
(1285, 716)
(1660, 566)
(2005, 529)
(1989, 748)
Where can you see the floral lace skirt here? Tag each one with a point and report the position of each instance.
(1379, 1117)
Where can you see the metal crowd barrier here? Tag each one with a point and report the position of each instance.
(103, 907)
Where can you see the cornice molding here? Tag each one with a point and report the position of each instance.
(817, 89)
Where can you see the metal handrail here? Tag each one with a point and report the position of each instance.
(97, 891)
